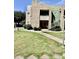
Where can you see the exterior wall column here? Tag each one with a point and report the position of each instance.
(28, 15)
(49, 23)
(62, 19)
(35, 16)
(26, 18)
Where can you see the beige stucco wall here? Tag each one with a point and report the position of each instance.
(28, 15)
(35, 20)
(44, 18)
(49, 26)
(34, 17)
(28, 18)
(62, 20)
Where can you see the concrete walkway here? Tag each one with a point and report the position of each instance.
(52, 37)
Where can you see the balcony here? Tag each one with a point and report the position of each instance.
(44, 17)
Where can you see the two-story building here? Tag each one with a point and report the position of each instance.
(43, 16)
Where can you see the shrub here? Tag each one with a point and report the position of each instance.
(28, 26)
(24, 26)
(14, 25)
(37, 29)
(56, 28)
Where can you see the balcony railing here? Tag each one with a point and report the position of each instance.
(44, 17)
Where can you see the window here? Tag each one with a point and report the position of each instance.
(44, 12)
(28, 13)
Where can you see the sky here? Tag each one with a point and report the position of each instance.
(21, 5)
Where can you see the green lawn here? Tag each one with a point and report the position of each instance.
(57, 34)
(27, 43)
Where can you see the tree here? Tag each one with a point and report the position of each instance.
(19, 18)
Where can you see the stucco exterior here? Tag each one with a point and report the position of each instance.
(34, 17)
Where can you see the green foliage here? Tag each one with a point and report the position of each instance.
(56, 28)
(28, 26)
(27, 43)
(37, 29)
(57, 34)
(19, 17)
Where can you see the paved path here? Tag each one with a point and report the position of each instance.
(52, 37)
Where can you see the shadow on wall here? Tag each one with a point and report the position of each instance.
(54, 27)
(53, 18)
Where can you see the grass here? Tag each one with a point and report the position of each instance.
(27, 43)
(57, 34)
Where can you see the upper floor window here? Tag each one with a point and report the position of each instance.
(44, 12)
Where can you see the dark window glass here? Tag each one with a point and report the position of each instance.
(44, 12)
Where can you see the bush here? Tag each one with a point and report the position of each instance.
(56, 28)
(14, 25)
(37, 29)
(24, 26)
(28, 26)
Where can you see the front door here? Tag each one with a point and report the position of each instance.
(44, 24)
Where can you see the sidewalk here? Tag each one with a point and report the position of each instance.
(52, 37)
